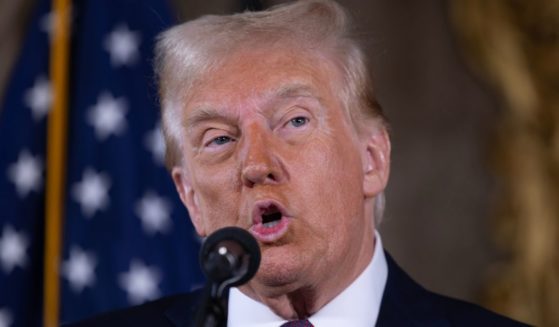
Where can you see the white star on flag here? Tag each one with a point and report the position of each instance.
(122, 45)
(140, 282)
(79, 269)
(12, 249)
(155, 144)
(154, 212)
(92, 192)
(107, 116)
(46, 23)
(5, 318)
(26, 173)
(39, 98)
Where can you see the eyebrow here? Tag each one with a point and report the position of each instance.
(207, 113)
(293, 91)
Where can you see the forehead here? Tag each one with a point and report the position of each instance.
(261, 74)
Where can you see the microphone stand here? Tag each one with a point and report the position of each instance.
(213, 311)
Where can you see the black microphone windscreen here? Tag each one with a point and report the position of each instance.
(231, 255)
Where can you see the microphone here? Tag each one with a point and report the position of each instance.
(230, 257)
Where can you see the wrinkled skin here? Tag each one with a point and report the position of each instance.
(267, 125)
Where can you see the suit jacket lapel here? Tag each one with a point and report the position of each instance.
(406, 303)
(183, 312)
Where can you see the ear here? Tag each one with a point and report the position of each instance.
(376, 160)
(189, 198)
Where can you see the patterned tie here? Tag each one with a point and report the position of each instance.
(298, 323)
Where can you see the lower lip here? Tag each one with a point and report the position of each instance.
(270, 234)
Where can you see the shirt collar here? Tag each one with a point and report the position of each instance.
(357, 305)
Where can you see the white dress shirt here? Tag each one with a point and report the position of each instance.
(358, 305)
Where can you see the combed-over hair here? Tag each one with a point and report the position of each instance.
(186, 53)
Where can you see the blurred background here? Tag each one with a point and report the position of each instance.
(471, 88)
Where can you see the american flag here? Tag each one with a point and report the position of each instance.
(126, 238)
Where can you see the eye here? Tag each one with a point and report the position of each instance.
(220, 140)
(299, 121)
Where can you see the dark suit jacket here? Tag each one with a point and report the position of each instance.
(404, 303)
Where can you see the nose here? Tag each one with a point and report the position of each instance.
(261, 164)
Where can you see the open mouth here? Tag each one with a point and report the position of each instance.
(270, 221)
(271, 216)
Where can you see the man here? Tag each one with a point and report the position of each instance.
(271, 125)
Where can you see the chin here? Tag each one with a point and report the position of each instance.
(278, 272)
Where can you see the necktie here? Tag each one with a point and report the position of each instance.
(298, 323)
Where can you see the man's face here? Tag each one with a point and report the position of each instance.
(267, 147)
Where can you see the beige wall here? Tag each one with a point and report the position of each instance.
(440, 191)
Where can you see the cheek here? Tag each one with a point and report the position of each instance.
(329, 183)
(336, 163)
(329, 173)
(216, 193)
